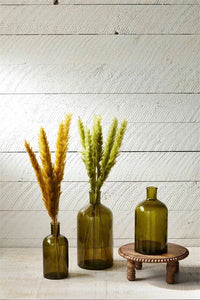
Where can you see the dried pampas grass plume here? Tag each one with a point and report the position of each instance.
(99, 157)
(49, 176)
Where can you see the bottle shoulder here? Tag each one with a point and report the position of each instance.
(50, 239)
(62, 237)
(151, 204)
(84, 209)
(105, 209)
(90, 208)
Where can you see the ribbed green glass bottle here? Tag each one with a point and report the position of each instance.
(55, 254)
(151, 225)
(95, 235)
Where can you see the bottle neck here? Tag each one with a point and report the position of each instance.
(95, 197)
(151, 193)
(55, 229)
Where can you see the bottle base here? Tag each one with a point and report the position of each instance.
(150, 248)
(96, 264)
(151, 252)
(55, 275)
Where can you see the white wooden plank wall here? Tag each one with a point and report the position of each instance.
(131, 59)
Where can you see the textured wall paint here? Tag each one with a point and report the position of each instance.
(67, 58)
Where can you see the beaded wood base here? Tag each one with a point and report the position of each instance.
(135, 259)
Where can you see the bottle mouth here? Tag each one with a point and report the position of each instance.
(95, 197)
(151, 188)
(55, 228)
(94, 192)
(53, 224)
(151, 192)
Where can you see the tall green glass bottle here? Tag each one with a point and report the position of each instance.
(55, 254)
(151, 225)
(95, 235)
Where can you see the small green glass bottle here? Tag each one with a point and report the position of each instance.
(55, 254)
(151, 225)
(95, 235)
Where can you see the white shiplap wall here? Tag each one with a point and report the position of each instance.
(68, 58)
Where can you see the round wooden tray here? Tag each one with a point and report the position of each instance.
(135, 259)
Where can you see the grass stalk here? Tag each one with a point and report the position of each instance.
(99, 157)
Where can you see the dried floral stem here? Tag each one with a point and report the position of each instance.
(114, 153)
(99, 160)
(97, 144)
(49, 177)
(89, 159)
(61, 151)
(47, 172)
(38, 173)
(81, 132)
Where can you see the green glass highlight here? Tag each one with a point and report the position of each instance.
(95, 235)
(151, 225)
(55, 254)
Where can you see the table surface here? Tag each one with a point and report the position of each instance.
(174, 253)
(21, 278)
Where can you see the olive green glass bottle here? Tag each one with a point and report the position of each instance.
(55, 254)
(151, 225)
(95, 235)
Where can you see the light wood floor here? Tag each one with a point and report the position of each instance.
(21, 278)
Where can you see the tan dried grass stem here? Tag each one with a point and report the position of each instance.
(49, 176)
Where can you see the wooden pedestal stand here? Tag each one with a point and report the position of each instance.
(135, 259)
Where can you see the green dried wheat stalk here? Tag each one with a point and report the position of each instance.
(99, 160)
(81, 132)
(109, 144)
(97, 144)
(89, 160)
(114, 153)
